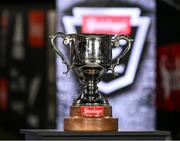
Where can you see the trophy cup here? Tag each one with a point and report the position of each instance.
(91, 58)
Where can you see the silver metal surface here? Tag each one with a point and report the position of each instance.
(91, 58)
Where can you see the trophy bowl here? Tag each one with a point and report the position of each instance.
(91, 58)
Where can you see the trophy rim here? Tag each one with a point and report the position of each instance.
(92, 35)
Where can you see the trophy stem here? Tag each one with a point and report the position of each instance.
(90, 95)
(91, 87)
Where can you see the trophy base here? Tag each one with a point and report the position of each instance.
(91, 119)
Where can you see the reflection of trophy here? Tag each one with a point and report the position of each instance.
(91, 58)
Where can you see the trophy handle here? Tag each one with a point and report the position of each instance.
(67, 39)
(116, 43)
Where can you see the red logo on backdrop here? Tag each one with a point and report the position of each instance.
(168, 77)
(92, 111)
(3, 94)
(106, 24)
(36, 28)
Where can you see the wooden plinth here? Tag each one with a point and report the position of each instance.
(78, 122)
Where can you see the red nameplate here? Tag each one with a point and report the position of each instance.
(92, 111)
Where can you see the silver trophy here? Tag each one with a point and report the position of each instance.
(91, 58)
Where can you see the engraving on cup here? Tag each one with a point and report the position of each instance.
(92, 49)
